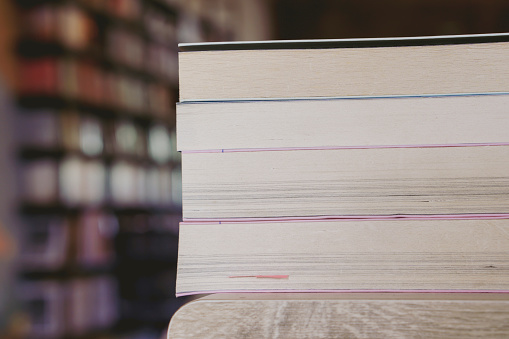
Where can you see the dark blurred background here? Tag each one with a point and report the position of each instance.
(89, 176)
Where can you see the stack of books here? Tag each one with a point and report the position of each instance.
(372, 165)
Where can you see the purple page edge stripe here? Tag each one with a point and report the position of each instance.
(349, 218)
(337, 291)
(343, 147)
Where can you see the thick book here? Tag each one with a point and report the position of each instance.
(343, 315)
(341, 68)
(342, 122)
(419, 181)
(339, 255)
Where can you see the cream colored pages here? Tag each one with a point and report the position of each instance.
(343, 122)
(344, 255)
(337, 72)
(412, 181)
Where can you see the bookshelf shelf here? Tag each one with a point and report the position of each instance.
(59, 208)
(66, 273)
(59, 102)
(31, 153)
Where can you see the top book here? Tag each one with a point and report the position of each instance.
(442, 65)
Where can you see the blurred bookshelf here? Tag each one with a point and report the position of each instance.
(99, 172)
(335, 19)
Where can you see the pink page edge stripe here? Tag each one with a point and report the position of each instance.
(232, 150)
(183, 294)
(350, 218)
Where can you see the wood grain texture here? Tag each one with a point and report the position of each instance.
(411, 70)
(342, 122)
(368, 316)
(344, 255)
(442, 180)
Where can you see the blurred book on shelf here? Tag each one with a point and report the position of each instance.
(44, 301)
(93, 304)
(95, 239)
(45, 242)
(70, 308)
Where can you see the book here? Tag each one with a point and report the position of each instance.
(343, 315)
(342, 68)
(344, 255)
(346, 122)
(345, 183)
(363, 165)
